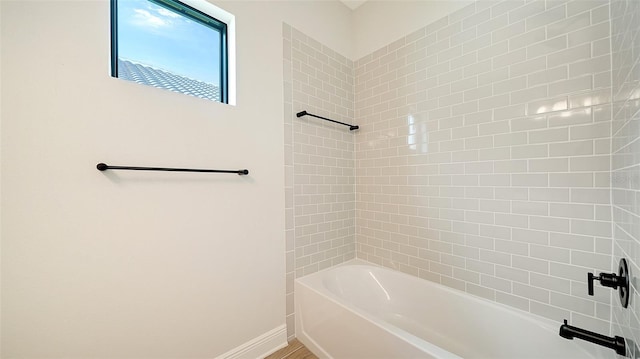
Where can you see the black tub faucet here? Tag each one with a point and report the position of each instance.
(616, 343)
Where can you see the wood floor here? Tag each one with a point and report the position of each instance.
(295, 350)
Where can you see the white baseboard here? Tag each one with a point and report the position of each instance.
(261, 346)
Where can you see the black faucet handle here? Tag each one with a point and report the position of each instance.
(615, 281)
(590, 279)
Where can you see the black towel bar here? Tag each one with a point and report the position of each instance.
(305, 113)
(104, 167)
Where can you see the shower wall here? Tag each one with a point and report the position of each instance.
(319, 159)
(625, 149)
(482, 161)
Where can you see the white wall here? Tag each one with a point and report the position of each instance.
(377, 23)
(124, 264)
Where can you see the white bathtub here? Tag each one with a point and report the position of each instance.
(363, 311)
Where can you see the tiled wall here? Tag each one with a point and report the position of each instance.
(319, 159)
(625, 159)
(482, 162)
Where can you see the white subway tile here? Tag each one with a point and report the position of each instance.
(528, 123)
(512, 274)
(512, 301)
(465, 275)
(512, 193)
(477, 67)
(496, 232)
(549, 224)
(590, 66)
(493, 206)
(600, 14)
(463, 62)
(512, 220)
(591, 131)
(507, 59)
(600, 47)
(596, 97)
(501, 74)
(528, 67)
(503, 7)
(549, 165)
(481, 291)
(495, 49)
(573, 148)
(476, 19)
(579, 211)
(528, 10)
(551, 283)
(496, 283)
(569, 55)
(595, 196)
(547, 76)
(571, 85)
(449, 30)
(547, 105)
(576, 7)
(530, 208)
(591, 260)
(568, 271)
(475, 44)
(549, 194)
(530, 180)
(590, 163)
(569, 24)
(591, 228)
(508, 31)
(479, 142)
(531, 264)
(534, 293)
(547, 17)
(478, 192)
(530, 236)
(572, 303)
(550, 135)
(571, 179)
(547, 47)
(513, 138)
(529, 151)
(508, 86)
(480, 267)
(572, 241)
(493, 101)
(589, 34)
(526, 95)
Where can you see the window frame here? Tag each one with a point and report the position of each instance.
(190, 13)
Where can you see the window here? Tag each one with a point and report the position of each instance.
(172, 45)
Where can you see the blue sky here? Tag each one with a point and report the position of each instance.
(155, 36)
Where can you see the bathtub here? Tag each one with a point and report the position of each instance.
(364, 311)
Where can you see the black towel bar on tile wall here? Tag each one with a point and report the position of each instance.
(104, 167)
(305, 113)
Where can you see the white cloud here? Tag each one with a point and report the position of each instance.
(167, 13)
(145, 18)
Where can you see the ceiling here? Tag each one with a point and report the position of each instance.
(353, 4)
